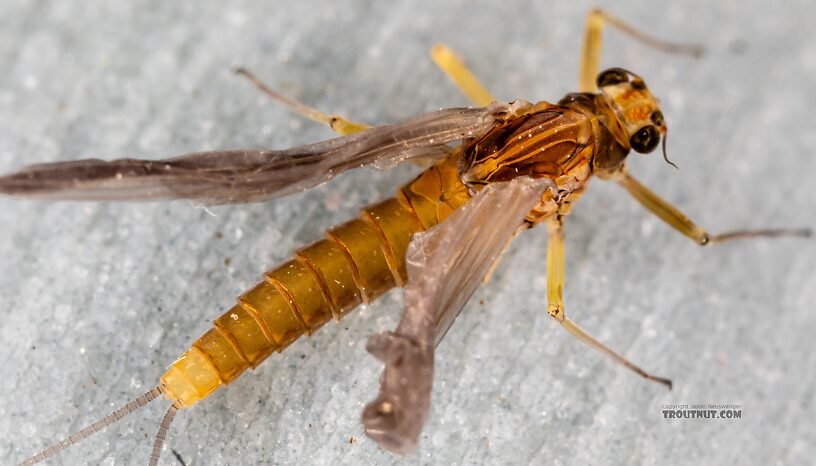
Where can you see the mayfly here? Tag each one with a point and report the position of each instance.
(517, 165)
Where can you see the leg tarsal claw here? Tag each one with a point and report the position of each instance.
(555, 306)
(337, 123)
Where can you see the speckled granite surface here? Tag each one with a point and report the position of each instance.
(97, 299)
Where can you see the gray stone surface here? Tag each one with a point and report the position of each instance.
(96, 300)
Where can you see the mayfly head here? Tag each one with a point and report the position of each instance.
(640, 123)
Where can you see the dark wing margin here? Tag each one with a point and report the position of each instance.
(237, 176)
(445, 265)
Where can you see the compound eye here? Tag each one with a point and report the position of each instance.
(645, 139)
(657, 118)
(612, 76)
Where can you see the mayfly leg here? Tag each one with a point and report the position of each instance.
(455, 69)
(338, 124)
(555, 305)
(486, 278)
(593, 41)
(680, 222)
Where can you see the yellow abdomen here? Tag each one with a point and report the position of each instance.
(356, 263)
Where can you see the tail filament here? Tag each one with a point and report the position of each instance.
(161, 435)
(111, 418)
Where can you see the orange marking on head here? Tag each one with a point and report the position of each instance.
(629, 95)
(641, 112)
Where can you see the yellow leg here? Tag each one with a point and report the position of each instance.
(456, 70)
(591, 52)
(486, 278)
(555, 307)
(337, 123)
(684, 225)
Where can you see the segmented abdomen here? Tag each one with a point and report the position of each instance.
(357, 262)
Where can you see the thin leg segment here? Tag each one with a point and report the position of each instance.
(593, 41)
(461, 76)
(486, 278)
(337, 123)
(677, 220)
(555, 306)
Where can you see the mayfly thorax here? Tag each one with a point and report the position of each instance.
(499, 169)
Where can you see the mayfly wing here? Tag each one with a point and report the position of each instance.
(237, 176)
(445, 265)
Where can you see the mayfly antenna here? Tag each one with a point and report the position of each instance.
(666, 156)
(111, 418)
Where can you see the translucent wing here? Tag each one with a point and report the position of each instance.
(445, 265)
(236, 176)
